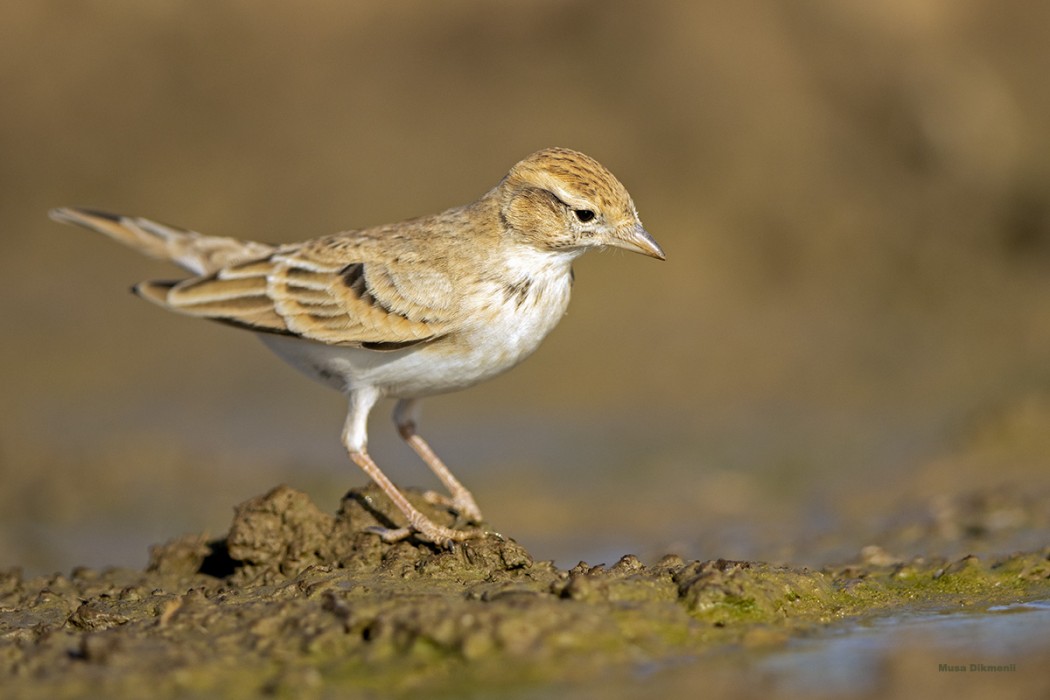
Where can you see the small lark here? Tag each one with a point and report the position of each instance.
(406, 310)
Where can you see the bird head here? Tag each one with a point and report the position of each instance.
(562, 200)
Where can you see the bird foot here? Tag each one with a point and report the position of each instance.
(426, 531)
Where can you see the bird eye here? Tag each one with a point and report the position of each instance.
(583, 215)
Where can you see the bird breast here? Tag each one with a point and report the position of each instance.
(512, 313)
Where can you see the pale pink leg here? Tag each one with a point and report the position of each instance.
(355, 439)
(462, 501)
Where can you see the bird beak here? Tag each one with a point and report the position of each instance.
(637, 240)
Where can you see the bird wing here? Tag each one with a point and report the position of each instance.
(338, 290)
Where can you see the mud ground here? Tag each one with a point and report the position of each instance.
(294, 602)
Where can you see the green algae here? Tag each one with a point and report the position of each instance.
(294, 602)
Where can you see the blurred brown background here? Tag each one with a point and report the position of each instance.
(854, 318)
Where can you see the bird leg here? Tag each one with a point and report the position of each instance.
(418, 524)
(461, 501)
(355, 439)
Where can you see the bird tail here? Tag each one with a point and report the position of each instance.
(201, 255)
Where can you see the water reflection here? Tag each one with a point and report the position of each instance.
(852, 659)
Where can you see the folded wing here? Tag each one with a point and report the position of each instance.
(312, 291)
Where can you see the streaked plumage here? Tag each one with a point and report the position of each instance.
(404, 310)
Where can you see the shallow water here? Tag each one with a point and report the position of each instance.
(852, 659)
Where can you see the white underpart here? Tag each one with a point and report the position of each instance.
(502, 331)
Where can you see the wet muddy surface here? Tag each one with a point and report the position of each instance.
(295, 602)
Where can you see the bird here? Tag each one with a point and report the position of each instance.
(406, 310)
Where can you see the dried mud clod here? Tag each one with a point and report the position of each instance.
(292, 593)
(282, 534)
